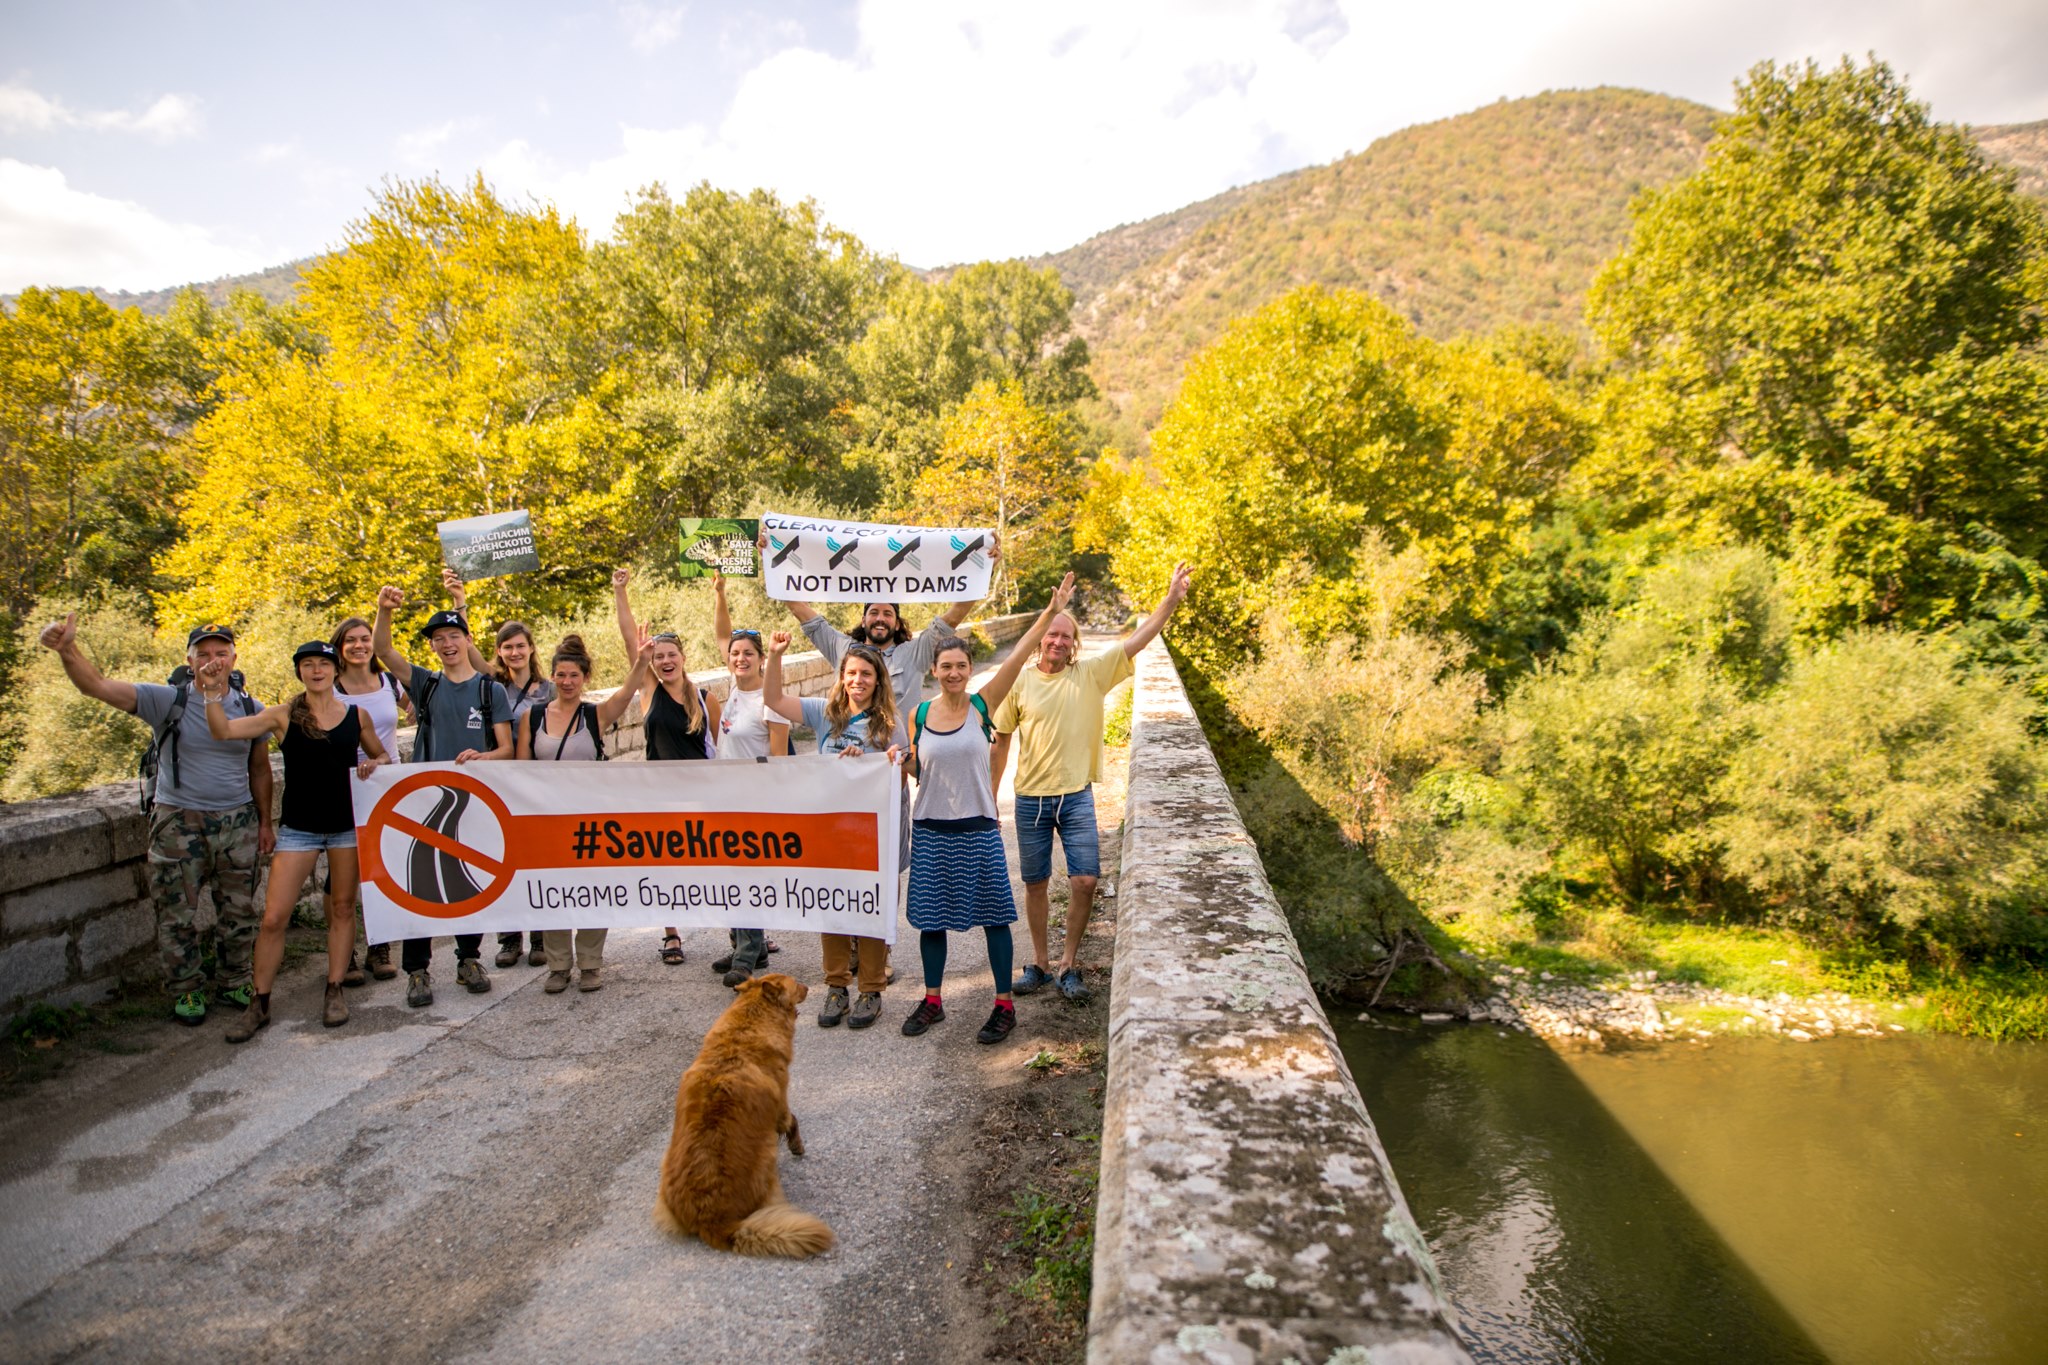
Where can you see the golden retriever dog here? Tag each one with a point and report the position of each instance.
(719, 1180)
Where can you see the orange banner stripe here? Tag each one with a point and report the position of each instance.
(741, 839)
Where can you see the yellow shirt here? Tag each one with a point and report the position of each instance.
(1057, 720)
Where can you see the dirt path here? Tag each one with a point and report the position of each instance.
(474, 1179)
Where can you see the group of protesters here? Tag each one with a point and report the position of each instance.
(210, 799)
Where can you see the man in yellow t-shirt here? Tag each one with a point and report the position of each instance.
(1055, 714)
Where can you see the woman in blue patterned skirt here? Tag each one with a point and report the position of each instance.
(959, 876)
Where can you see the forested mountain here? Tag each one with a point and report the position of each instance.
(278, 284)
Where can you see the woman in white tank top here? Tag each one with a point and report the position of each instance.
(363, 684)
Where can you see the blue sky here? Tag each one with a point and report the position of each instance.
(146, 144)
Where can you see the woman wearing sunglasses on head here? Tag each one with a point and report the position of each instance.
(682, 720)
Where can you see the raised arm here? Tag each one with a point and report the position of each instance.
(389, 599)
(611, 708)
(721, 615)
(995, 689)
(62, 636)
(773, 699)
(1148, 630)
(629, 630)
(223, 726)
(458, 598)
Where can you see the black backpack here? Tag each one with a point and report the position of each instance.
(163, 743)
(586, 711)
(424, 726)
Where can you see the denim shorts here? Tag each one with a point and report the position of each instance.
(1073, 815)
(291, 840)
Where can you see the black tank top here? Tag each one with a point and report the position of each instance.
(667, 728)
(316, 772)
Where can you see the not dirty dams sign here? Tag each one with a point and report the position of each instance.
(812, 560)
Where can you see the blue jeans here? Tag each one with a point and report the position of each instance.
(291, 840)
(1072, 816)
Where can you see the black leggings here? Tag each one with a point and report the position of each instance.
(931, 945)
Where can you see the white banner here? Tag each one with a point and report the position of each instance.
(808, 560)
(491, 847)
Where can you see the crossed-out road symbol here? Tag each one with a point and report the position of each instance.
(438, 878)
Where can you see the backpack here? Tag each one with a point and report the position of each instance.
(163, 742)
(423, 727)
(586, 711)
(988, 725)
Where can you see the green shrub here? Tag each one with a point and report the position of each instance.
(1889, 788)
(61, 739)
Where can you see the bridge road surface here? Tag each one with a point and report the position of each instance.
(474, 1180)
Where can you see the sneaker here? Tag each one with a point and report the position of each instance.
(190, 1008)
(508, 954)
(470, 972)
(353, 975)
(835, 1007)
(538, 956)
(419, 989)
(557, 982)
(1072, 987)
(589, 980)
(867, 1007)
(735, 977)
(252, 1018)
(1000, 1022)
(241, 997)
(1033, 978)
(722, 965)
(380, 962)
(334, 1010)
(927, 1013)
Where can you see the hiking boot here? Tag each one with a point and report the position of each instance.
(722, 965)
(1000, 1022)
(419, 989)
(589, 980)
(189, 1009)
(1031, 980)
(252, 1018)
(537, 956)
(241, 997)
(379, 962)
(736, 976)
(1072, 987)
(867, 1007)
(508, 954)
(470, 972)
(353, 974)
(557, 982)
(334, 1011)
(927, 1013)
(835, 1007)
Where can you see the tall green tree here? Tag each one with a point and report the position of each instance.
(1829, 342)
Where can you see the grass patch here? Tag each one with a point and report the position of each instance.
(1116, 725)
(1058, 1233)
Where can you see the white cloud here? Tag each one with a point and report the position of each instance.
(986, 128)
(421, 149)
(53, 234)
(650, 28)
(168, 119)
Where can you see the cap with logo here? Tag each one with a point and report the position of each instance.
(445, 618)
(209, 632)
(315, 649)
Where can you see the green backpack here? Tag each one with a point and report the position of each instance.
(988, 726)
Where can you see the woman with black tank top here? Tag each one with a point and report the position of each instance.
(682, 720)
(571, 728)
(320, 734)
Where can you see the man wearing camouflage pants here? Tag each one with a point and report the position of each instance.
(211, 825)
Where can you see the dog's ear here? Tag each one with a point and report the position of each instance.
(774, 988)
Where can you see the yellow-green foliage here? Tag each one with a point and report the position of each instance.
(63, 740)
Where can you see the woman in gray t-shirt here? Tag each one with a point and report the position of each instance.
(959, 874)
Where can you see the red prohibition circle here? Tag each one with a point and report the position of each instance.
(384, 817)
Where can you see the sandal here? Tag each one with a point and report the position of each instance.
(672, 951)
(773, 947)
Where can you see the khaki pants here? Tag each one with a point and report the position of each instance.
(589, 949)
(839, 950)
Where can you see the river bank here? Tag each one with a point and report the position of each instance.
(1642, 1008)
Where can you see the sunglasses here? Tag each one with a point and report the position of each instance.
(746, 635)
(667, 635)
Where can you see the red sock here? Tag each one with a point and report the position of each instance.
(1009, 1005)
(931, 999)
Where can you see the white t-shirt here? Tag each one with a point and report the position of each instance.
(743, 725)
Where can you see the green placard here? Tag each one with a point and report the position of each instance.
(722, 543)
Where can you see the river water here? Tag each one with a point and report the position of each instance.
(1848, 1201)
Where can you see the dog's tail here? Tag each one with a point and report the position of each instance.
(781, 1230)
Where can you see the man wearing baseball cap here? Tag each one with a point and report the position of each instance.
(210, 826)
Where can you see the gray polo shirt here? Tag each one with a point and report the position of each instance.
(910, 663)
(212, 774)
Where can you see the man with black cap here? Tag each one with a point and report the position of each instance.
(464, 717)
(210, 825)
